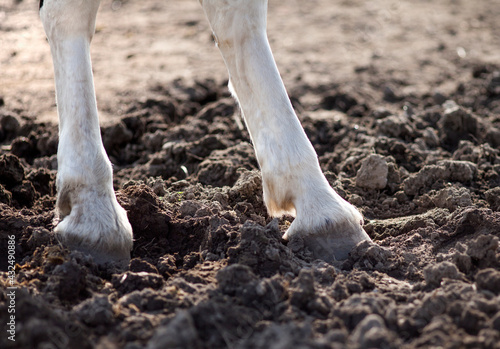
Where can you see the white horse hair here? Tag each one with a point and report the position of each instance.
(91, 220)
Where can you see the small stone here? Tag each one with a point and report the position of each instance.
(373, 172)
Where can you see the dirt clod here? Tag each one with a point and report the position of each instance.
(436, 273)
(372, 173)
(489, 279)
(129, 281)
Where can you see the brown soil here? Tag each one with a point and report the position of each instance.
(417, 83)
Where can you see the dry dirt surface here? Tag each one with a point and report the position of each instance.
(401, 100)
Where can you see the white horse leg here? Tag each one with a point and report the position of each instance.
(292, 178)
(91, 219)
